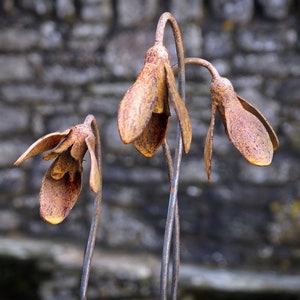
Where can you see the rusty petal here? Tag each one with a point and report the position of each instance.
(208, 148)
(57, 197)
(91, 140)
(79, 148)
(66, 164)
(246, 131)
(140, 100)
(136, 107)
(180, 110)
(153, 135)
(66, 143)
(94, 172)
(248, 134)
(43, 144)
(259, 115)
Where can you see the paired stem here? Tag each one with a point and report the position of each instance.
(95, 220)
(201, 62)
(204, 63)
(172, 220)
(172, 215)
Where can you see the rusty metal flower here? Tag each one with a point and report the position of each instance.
(245, 126)
(144, 110)
(62, 182)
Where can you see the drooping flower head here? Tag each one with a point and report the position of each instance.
(144, 110)
(62, 182)
(245, 126)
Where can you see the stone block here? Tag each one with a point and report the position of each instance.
(65, 9)
(88, 31)
(13, 119)
(9, 220)
(275, 9)
(136, 12)
(12, 180)
(217, 44)
(50, 36)
(41, 7)
(187, 11)
(10, 150)
(15, 68)
(237, 11)
(129, 230)
(30, 93)
(98, 11)
(261, 38)
(125, 53)
(192, 40)
(280, 172)
(71, 76)
(14, 39)
(269, 64)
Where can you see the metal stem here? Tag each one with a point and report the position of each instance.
(95, 220)
(173, 206)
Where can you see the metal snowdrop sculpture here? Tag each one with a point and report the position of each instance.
(61, 185)
(245, 125)
(143, 118)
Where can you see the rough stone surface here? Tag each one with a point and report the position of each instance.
(64, 261)
(61, 60)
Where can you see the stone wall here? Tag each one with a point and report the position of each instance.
(61, 60)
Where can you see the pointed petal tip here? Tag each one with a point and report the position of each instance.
(54, 220)
(125, 138)
(187, 145)
(262, 162)
(21, 159)
(94, 181)
(17, 162)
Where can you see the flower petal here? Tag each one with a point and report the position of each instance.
(248, 133)
(180, 109)
(91, 141)
(94, 172)
(208, 148)
(65, 164)
(153, 135)
(43, 144)
(57, 197)
(137, 104)
(260, 116)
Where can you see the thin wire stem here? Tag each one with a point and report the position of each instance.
(173, 206)
(176, 235)
(95, 220)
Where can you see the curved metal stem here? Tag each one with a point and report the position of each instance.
(202, 62)
(173, 206)
(95, 219)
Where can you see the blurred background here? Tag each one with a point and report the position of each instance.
(240, 234)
